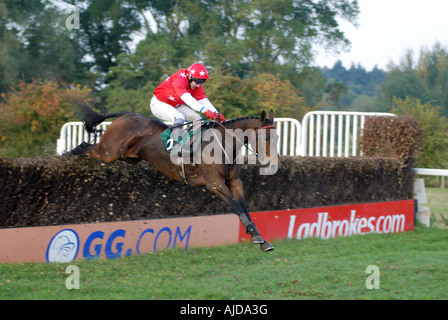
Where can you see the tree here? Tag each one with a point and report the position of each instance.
(51, 53)
(32, 116)
(236, 97)
(332, 97)
(106, 27)
(352, 89)
(270, 36)
(402, 82)
(236, 38)
(34, 43)
(434, 152)
(279, 95)
(424, 78)
(232, 95)
(432, 70)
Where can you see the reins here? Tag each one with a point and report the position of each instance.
(188, 123)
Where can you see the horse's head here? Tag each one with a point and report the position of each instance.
(221, 139)
(266, 145)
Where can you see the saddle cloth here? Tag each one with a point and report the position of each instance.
(186, 138)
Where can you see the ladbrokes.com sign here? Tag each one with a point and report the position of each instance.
(330, 222)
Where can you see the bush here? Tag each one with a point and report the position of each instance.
(397, 137)
(434, 126)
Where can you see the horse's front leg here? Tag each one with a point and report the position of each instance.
(236, 189)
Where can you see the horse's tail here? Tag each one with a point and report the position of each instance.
(90, 117)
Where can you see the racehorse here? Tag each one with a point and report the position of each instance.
(133, 137)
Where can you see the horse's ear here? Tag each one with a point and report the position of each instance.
(271, 116)
(263, 117)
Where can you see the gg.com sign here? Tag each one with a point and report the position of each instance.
(65, 245)
(112, 240)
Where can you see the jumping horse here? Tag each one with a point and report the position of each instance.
(133, 138)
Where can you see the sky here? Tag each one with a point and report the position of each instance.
(387, 29)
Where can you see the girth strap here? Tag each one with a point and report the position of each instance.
(181, 168)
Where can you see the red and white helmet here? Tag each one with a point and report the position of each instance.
(198, 71)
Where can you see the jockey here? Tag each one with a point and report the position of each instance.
(179, 97)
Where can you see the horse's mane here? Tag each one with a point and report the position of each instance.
(240, 119)
(230, 121)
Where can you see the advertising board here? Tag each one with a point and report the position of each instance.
(330, 222)
(111, 240)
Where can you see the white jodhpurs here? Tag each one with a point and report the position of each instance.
(166, 112)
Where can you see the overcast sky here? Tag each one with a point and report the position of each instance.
(387, 28)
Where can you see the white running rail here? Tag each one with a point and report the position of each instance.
(333, 133)
(431, 172)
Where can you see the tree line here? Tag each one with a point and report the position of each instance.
(416, 85)
(233, 37)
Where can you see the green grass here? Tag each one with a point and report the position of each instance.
(413, 265)
(437, 200)
(438, 205)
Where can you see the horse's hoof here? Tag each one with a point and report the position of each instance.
(266, 246)
(257, 240)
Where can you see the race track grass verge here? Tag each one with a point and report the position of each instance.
(412, 265)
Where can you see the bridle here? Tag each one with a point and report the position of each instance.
(263, 161)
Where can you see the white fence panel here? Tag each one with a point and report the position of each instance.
(333, 133)
(289, 131)
(74, 133)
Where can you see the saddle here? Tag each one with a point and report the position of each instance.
(186, 139)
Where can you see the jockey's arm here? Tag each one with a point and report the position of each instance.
(203, 106)
(207, 105)
(200, 106)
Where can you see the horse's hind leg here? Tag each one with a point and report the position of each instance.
(80, 150)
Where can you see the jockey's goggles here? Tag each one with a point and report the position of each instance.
(198, 81)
